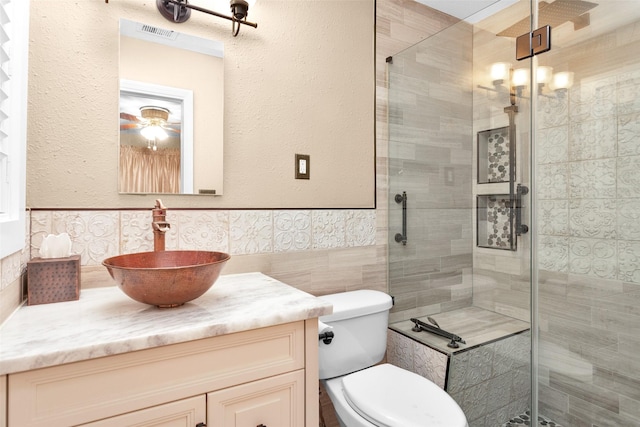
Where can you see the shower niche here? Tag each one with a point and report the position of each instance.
(494, 164)
(494, 219)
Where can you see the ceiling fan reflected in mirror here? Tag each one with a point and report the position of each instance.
(153, 124)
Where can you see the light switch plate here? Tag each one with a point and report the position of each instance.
(302, 166)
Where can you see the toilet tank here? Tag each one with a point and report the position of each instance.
(359, 324)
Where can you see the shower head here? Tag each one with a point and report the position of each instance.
(554, 14)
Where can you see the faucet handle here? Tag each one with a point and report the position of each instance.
(159, 204)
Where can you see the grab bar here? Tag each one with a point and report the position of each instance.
(402, 198)
(419, 325)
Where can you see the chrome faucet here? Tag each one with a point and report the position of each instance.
(159, 225)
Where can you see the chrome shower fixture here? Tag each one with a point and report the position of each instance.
(179, 11)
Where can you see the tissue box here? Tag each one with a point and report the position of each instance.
(53, 280)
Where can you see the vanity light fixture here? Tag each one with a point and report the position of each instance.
(180, 10)
(503, 76)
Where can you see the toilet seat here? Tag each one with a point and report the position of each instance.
(388, 396)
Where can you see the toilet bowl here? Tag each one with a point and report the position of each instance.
(363, 393)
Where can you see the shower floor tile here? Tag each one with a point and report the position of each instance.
(525, 420)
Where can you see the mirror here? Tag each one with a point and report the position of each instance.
(171, 112)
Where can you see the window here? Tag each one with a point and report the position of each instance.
(14, 50)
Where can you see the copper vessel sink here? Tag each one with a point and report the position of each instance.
(166, 278)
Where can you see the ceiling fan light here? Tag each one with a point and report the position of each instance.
(154, 133)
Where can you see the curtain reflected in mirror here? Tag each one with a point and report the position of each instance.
(144, 170)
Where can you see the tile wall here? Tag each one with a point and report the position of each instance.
(490, 382)
(589, 245)
(319, 251)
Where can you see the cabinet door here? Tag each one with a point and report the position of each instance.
(273, 402)
(182, 413)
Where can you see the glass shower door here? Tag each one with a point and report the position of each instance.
(459, 256)
(587, 162)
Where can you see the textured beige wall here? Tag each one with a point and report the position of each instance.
(293, 85)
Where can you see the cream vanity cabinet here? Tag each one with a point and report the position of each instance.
(263, 377)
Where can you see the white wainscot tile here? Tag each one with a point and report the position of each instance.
(593, 218)
(430, 363)
(292, 231)
(594, 257)
(136, 234)
(250, 232)
(204, 230)
(553, 145)
(360, 227)
(328, 229)
(40, 227)
(400, 350)
(94, 234)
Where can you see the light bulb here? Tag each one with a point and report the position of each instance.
(563, 80)
(520, 77)
(544, 74)
(500, 72)
(154, 132)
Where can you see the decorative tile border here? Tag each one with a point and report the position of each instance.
(97, 235)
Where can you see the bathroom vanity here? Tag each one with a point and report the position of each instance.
(243, 354)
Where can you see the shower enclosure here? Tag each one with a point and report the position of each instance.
(514, 210)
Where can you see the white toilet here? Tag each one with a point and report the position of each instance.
(365, 395)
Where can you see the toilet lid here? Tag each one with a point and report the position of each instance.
(390, 396)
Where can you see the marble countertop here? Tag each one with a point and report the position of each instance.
(104, 321)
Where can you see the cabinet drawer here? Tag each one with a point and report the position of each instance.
(272, 402)
(95, 389)
(183, 413)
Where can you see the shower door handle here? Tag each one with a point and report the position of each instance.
(402, 237)
(520, 228)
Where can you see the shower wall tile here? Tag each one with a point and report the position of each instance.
(593, 139)
(553, 111)
(593, 99)
(593, 257)
(629, 261)
(553, 181)
(592, 218)
(553, 217)
(628, 219)
(593, 179)
(628, 89)
(553, 145)
(628, 179)
(553, 253)
(629, 135)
